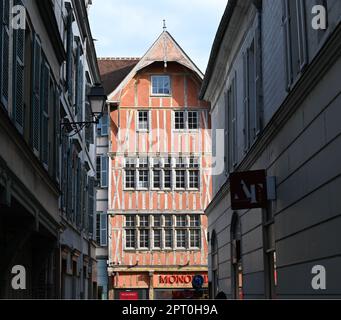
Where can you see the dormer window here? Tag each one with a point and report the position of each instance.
(161, 85)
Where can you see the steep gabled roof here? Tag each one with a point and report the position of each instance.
(164, 49)
(114, 70)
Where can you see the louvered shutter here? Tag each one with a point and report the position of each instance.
(18, 75)
(246, 101)
(64, 176)
(56, 108)
(258, 87)
(4, 51)
(69, 67)
(79, 84)
(88, 127)
(70, 178)
(36, 115)
(91, 207)
(226, 133)
(45, 88)
(287, 43)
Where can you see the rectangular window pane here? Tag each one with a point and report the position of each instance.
(195, 221)
(194, 179)
(179, 119)
(104, 125)
(193, 121)
(104, 171)
(181, 221)
(157, 221)
(180, 179)
(168, 221)
(143, 120)
(161, 85)
(98, 168)
(130, 238)
(157, 238)
(130, 221)
(195, 238)
(156, 179)
(130, 179)
(143, 163)
(169, 238)
(144, 221)
(144, 239)
(168, 179)
(143, 179)
(181, 238)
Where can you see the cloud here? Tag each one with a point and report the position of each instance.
(129, 27)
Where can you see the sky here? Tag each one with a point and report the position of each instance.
(127, 28)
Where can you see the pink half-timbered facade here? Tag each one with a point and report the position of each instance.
(160, 178)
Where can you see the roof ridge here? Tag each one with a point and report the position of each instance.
(118, 58)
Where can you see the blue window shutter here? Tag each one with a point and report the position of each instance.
(104, 171)
(18, 79)
(37, 55)
(91, 205)
(45, 88)
(4, 51)
(69, 64)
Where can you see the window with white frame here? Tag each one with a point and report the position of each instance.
(180, 173)
(181, 238)
(193, 173)
(156, 174)
(179, 120)
(143, 174)
(186, 120)
(157, 232)
(193, 121)
(161, 85)
(130, 239)
(130, 172)
(144, 239)
(143, 120)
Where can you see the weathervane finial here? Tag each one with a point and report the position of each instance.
(164, 25)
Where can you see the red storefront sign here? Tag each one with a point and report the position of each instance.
(129, 295)
(178, 279)
(248, 190)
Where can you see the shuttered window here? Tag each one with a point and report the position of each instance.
(69, 61)
(79, 83)
(36, 116)
(45, 99)
(18, 75)
(91, 195)
(295, 36)
(232, 126)
(4, 50)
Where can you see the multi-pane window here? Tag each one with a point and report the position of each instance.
(160, 174)
(193, 121)
(130, 221)
(180, 174)
(186, 120)
(144, 239)
(161, 85)
(104, 171)
(103, 125)
(143, 120)
(168, 238)
(181, 238)
(181, 221)
(143, 174)
(179, 120)
(144, 221)
(157, 238)
(101, 228)
(193, 174)
(130, 239)
(157, 232)
(194, 238)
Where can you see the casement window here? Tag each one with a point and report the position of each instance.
(91, 204)
(193, 173)
(4, 51)
(103, 125)
(181, 221)
(168, 238)
(143, 120)
(144, 239)
(101, 228)
(167, 173)
(130, 173)
(193, 121)
(69, 49)
(144, 221)
(161, 85)
(159, 234)
(19, 73)
(157, 174)
(181, 238)
(186, 120)
(130, 239)
(194, 238)
(231, 126)
(104, 171)
(143, 173)
(130, 221)
(295, 36)
(180, 173)
(157, 238)
(79, 89)
(45, 74)
(179, 120)
(98, 167)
